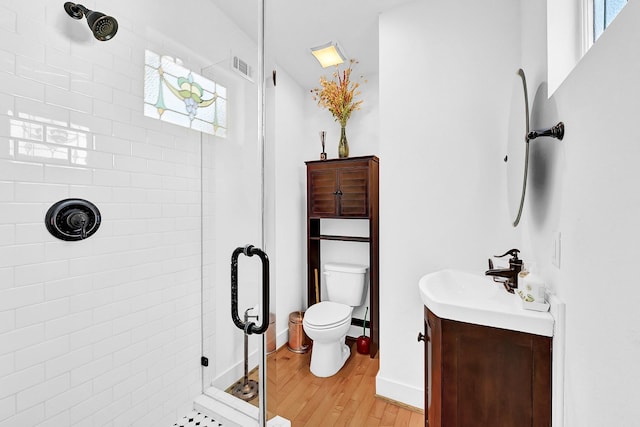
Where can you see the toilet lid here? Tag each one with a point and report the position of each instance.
(327, 314)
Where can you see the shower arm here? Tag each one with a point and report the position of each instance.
(83, 9)
(75, 10)
(250, 327)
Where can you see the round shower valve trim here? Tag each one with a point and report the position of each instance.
(72, 219)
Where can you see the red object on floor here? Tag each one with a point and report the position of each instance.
(363, 344)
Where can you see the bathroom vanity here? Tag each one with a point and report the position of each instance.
(487, 361)
(483, 376)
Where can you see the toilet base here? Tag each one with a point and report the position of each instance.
(328, 358)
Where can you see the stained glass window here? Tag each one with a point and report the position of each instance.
(174, 94)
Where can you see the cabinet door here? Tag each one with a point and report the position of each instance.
(495, 377)
(427, 371)
(433, 371)
(353, 185)
(323, 184)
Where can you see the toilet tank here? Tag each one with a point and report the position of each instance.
(345, 283)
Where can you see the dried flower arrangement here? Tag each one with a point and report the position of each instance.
(339, 95)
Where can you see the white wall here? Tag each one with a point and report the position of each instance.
(104, 331)
(564, 21)
(446, 71)
(583, 187)
(286, 178)
(363, 131)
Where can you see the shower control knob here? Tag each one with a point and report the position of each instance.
(78, 220)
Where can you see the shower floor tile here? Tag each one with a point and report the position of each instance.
(195, 418)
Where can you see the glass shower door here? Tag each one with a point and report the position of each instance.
(232, 217)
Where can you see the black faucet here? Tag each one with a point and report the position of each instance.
(509, 274)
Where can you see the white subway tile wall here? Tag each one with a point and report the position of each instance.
(104, 331)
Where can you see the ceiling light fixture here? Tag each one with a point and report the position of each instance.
(329, 54)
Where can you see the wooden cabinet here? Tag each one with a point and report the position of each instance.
(344, 189)
(338, 192)
(483, 376)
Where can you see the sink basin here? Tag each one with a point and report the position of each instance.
(477, 299)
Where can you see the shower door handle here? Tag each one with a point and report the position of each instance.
(250, 327)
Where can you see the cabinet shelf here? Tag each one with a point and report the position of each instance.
(341, 238)
(337, 217)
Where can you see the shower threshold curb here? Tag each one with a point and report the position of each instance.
(231, 411)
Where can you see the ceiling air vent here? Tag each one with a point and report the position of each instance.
(242, 68)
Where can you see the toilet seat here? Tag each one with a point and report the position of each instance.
(327, 315)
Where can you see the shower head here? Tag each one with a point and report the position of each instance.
(103, 27)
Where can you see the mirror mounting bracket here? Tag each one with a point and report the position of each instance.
(556, 131)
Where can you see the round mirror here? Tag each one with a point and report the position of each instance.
(517, 158)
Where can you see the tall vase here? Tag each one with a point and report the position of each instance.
(343, 146)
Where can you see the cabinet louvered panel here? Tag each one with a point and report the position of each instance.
(353, 184)
(322, 198)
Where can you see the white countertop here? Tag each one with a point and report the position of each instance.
(477, 299)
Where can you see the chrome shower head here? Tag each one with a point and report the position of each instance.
(102, 26)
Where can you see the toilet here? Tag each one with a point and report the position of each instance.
(328, 321)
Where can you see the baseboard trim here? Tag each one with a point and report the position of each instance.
(282, 338)
(403, 394)
(235, 372)
(400, 404)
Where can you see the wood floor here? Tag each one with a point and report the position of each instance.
(345, 399)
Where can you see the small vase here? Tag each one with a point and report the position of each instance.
(343, 146)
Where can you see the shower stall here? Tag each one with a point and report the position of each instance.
(160, 127)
